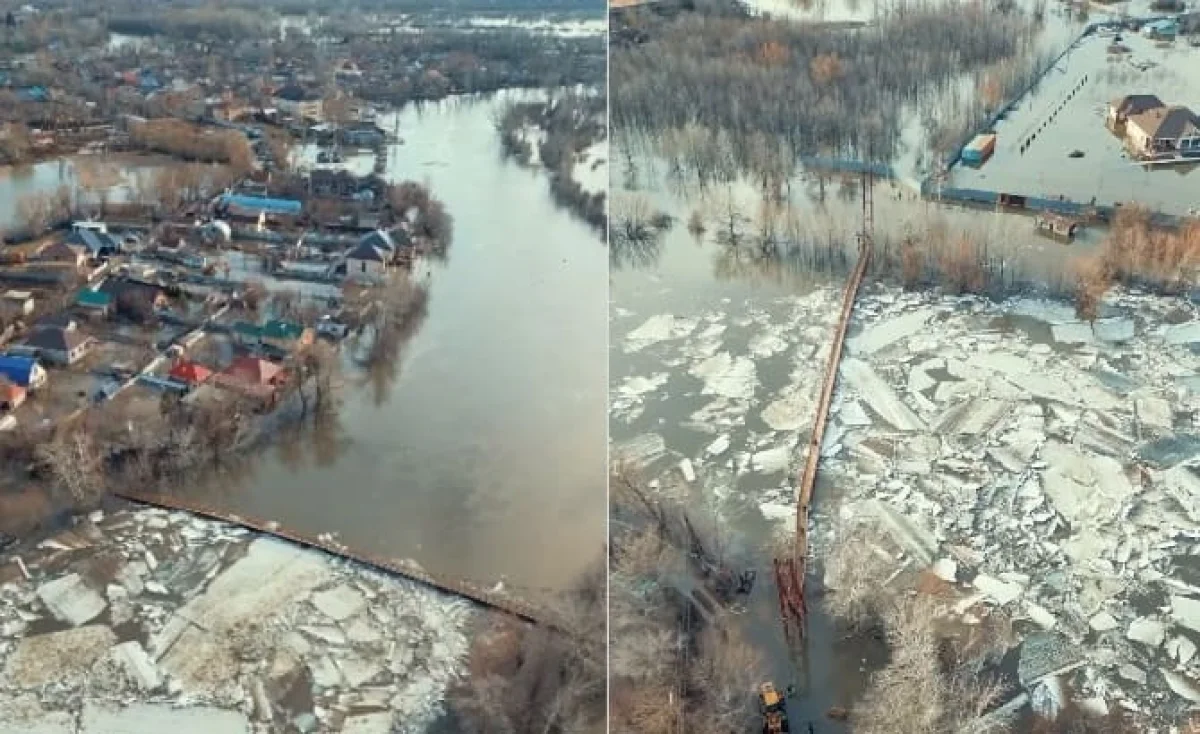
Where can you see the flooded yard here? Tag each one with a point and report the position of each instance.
(1053, 123)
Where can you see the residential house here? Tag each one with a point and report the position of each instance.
(60, 251)
(1164, 130)
(1162, 30)
(243, 207)
(299, 102)
(252, 377)
(61, 345)
(362, 135)
(247, 334)
(190, 373)
(94, 242)
(22, 371)
(16, 304)
(286, 335)
(11, 395)
(94, 303)
(368, 260)
(1120, 109)
(136, 299)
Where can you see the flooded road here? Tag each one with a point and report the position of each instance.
(485, 459)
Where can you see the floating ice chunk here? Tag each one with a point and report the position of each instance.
(1103, 622)
(1187, 333)
(1183, 687)
(1074, 332)
(999, 591)
(889, 331)
(727, 376)
(791, 412)
(1186, 611)
(1040, 615)
(71, 600)
(660, 328)
(1147, 631)
(946, 569)
(689, 473)
(771, 461)
(880, 396)
(339, 603)
(1181, 649)
(719, 446)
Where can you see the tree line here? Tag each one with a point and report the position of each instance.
(727, 93)
(570, 123)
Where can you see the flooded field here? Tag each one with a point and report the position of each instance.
(1056, 122)
(481, 454)
(49, 176)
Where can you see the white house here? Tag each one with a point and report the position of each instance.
(17, 303)
(370, 258)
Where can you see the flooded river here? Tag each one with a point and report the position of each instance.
(485, 459)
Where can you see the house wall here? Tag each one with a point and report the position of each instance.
(1137, 138)
(364, 269)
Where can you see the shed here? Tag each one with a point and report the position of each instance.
(22, 371)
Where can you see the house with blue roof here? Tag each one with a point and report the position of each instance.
(95, 243)
(22, 371)
(249, 207)
(36, 93)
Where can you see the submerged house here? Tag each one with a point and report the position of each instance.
(1120, 109)
(1164, 130)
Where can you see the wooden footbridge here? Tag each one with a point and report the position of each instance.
(791, 572)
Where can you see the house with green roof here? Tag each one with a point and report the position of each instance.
(287, 335)
(94, 302)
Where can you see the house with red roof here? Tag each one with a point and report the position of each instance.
(253, 377)
(190, 373)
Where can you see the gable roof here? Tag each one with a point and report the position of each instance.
(190, 372)
(277, 329)
(93, 241)
(1133, 104)
(18, 370)
(261, 204)
(252, 370)
(378, 238)
(56, 338)
(117, 287)
(93, 298)
(1168, 122)
(367, 251)
(294, 93)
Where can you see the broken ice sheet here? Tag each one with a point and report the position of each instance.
(660, 328)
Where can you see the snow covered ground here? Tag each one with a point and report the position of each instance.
(1047, 467)
(147, 622)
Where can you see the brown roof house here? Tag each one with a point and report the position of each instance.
(1164, 130)
(61, 345)
(252, 377)
(1120, 109)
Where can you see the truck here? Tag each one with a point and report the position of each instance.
(772, 706)
(979, 149)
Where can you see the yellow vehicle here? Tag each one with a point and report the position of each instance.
(773, 709)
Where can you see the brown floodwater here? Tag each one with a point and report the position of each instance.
(485, 457)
